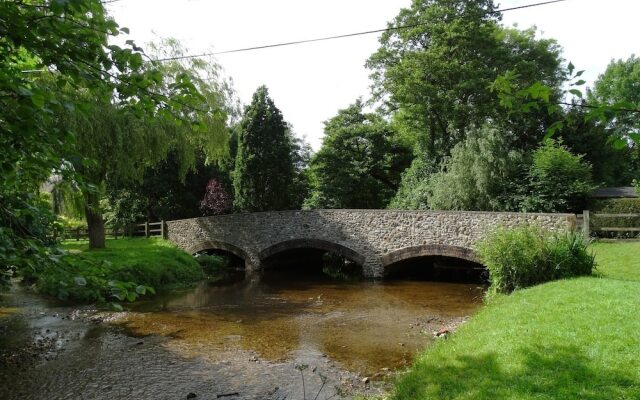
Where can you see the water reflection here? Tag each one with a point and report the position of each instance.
(365, 326)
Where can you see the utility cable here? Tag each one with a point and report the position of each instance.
(347, 35)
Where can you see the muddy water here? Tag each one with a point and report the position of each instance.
(247, 339)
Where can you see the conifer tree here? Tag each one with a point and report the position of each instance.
(264, 168)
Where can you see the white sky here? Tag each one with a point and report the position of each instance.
(311, 82)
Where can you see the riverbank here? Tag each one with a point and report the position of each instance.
(571, 339)
(125, 269)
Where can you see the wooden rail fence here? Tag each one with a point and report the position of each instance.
(586, 223)
(146, 229)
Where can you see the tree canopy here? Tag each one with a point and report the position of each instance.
(619, 86)
(435, 73)
(47, 47)
(119, 144)
(359, 163)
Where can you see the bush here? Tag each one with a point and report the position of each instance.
(559, 181)
(527, 256)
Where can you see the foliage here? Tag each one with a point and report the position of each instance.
(28, 229)
(435, 75)
(618, 260)
(611, 165)
(120, 144)
(216, 200)
(618, 86)
(72, 223)
(301, 154)
(69, 37)
(56, 60)
(481, 174)
(359, 164)
(415, 190)
(527, 256)
(264, 169)
(617, 117)
(127, 269)
(615, 206)
(572, 340)
(212, 265)
(340, 268)
(162, 195)
(559, 181)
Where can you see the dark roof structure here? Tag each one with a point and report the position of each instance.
(615, 193)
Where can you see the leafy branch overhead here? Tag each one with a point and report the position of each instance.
(609, 106)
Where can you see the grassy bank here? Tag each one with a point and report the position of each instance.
(571, 339)
(123, 270)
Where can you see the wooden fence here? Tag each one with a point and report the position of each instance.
(588, 216)
(147, 229)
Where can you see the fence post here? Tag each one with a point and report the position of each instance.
(146, 229)
(585, 224)
(162, 230)
(115, 233)
(77, 234)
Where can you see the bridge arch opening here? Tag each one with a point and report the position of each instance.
(312, 257)
(435, 263)
(234, 259)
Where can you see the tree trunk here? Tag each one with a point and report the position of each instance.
(95, 223)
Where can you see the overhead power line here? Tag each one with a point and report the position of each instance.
(343, 36)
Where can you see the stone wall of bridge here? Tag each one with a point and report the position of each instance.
(373, 238)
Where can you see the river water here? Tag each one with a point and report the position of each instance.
(274, 338)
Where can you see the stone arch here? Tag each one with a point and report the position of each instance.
(313, 244)
(427, 250)
(217, 245)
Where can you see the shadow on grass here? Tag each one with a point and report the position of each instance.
(543, 372)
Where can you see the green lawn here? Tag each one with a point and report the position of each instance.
(618, 260)
(571, 339)
(156, 261)
(87, 276)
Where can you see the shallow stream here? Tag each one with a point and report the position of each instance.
(273, 338)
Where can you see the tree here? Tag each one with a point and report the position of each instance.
(619, 86)
(435, 73)
(162, 194)
(559, 181)
(46, 47)
(482, 174)
(359, 164)
(611, 165)
(264, 169)
(301, 155)
(118, 144)
(216, 200)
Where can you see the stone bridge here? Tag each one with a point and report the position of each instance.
(374, 239)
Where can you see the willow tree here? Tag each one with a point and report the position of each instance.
(116, 143)
(45, 46)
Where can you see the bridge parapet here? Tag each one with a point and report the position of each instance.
(374, 238)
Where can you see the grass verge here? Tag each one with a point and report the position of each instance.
(569, 339)
(122, 271)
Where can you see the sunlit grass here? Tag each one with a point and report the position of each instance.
(570, 339)
(618, 260)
